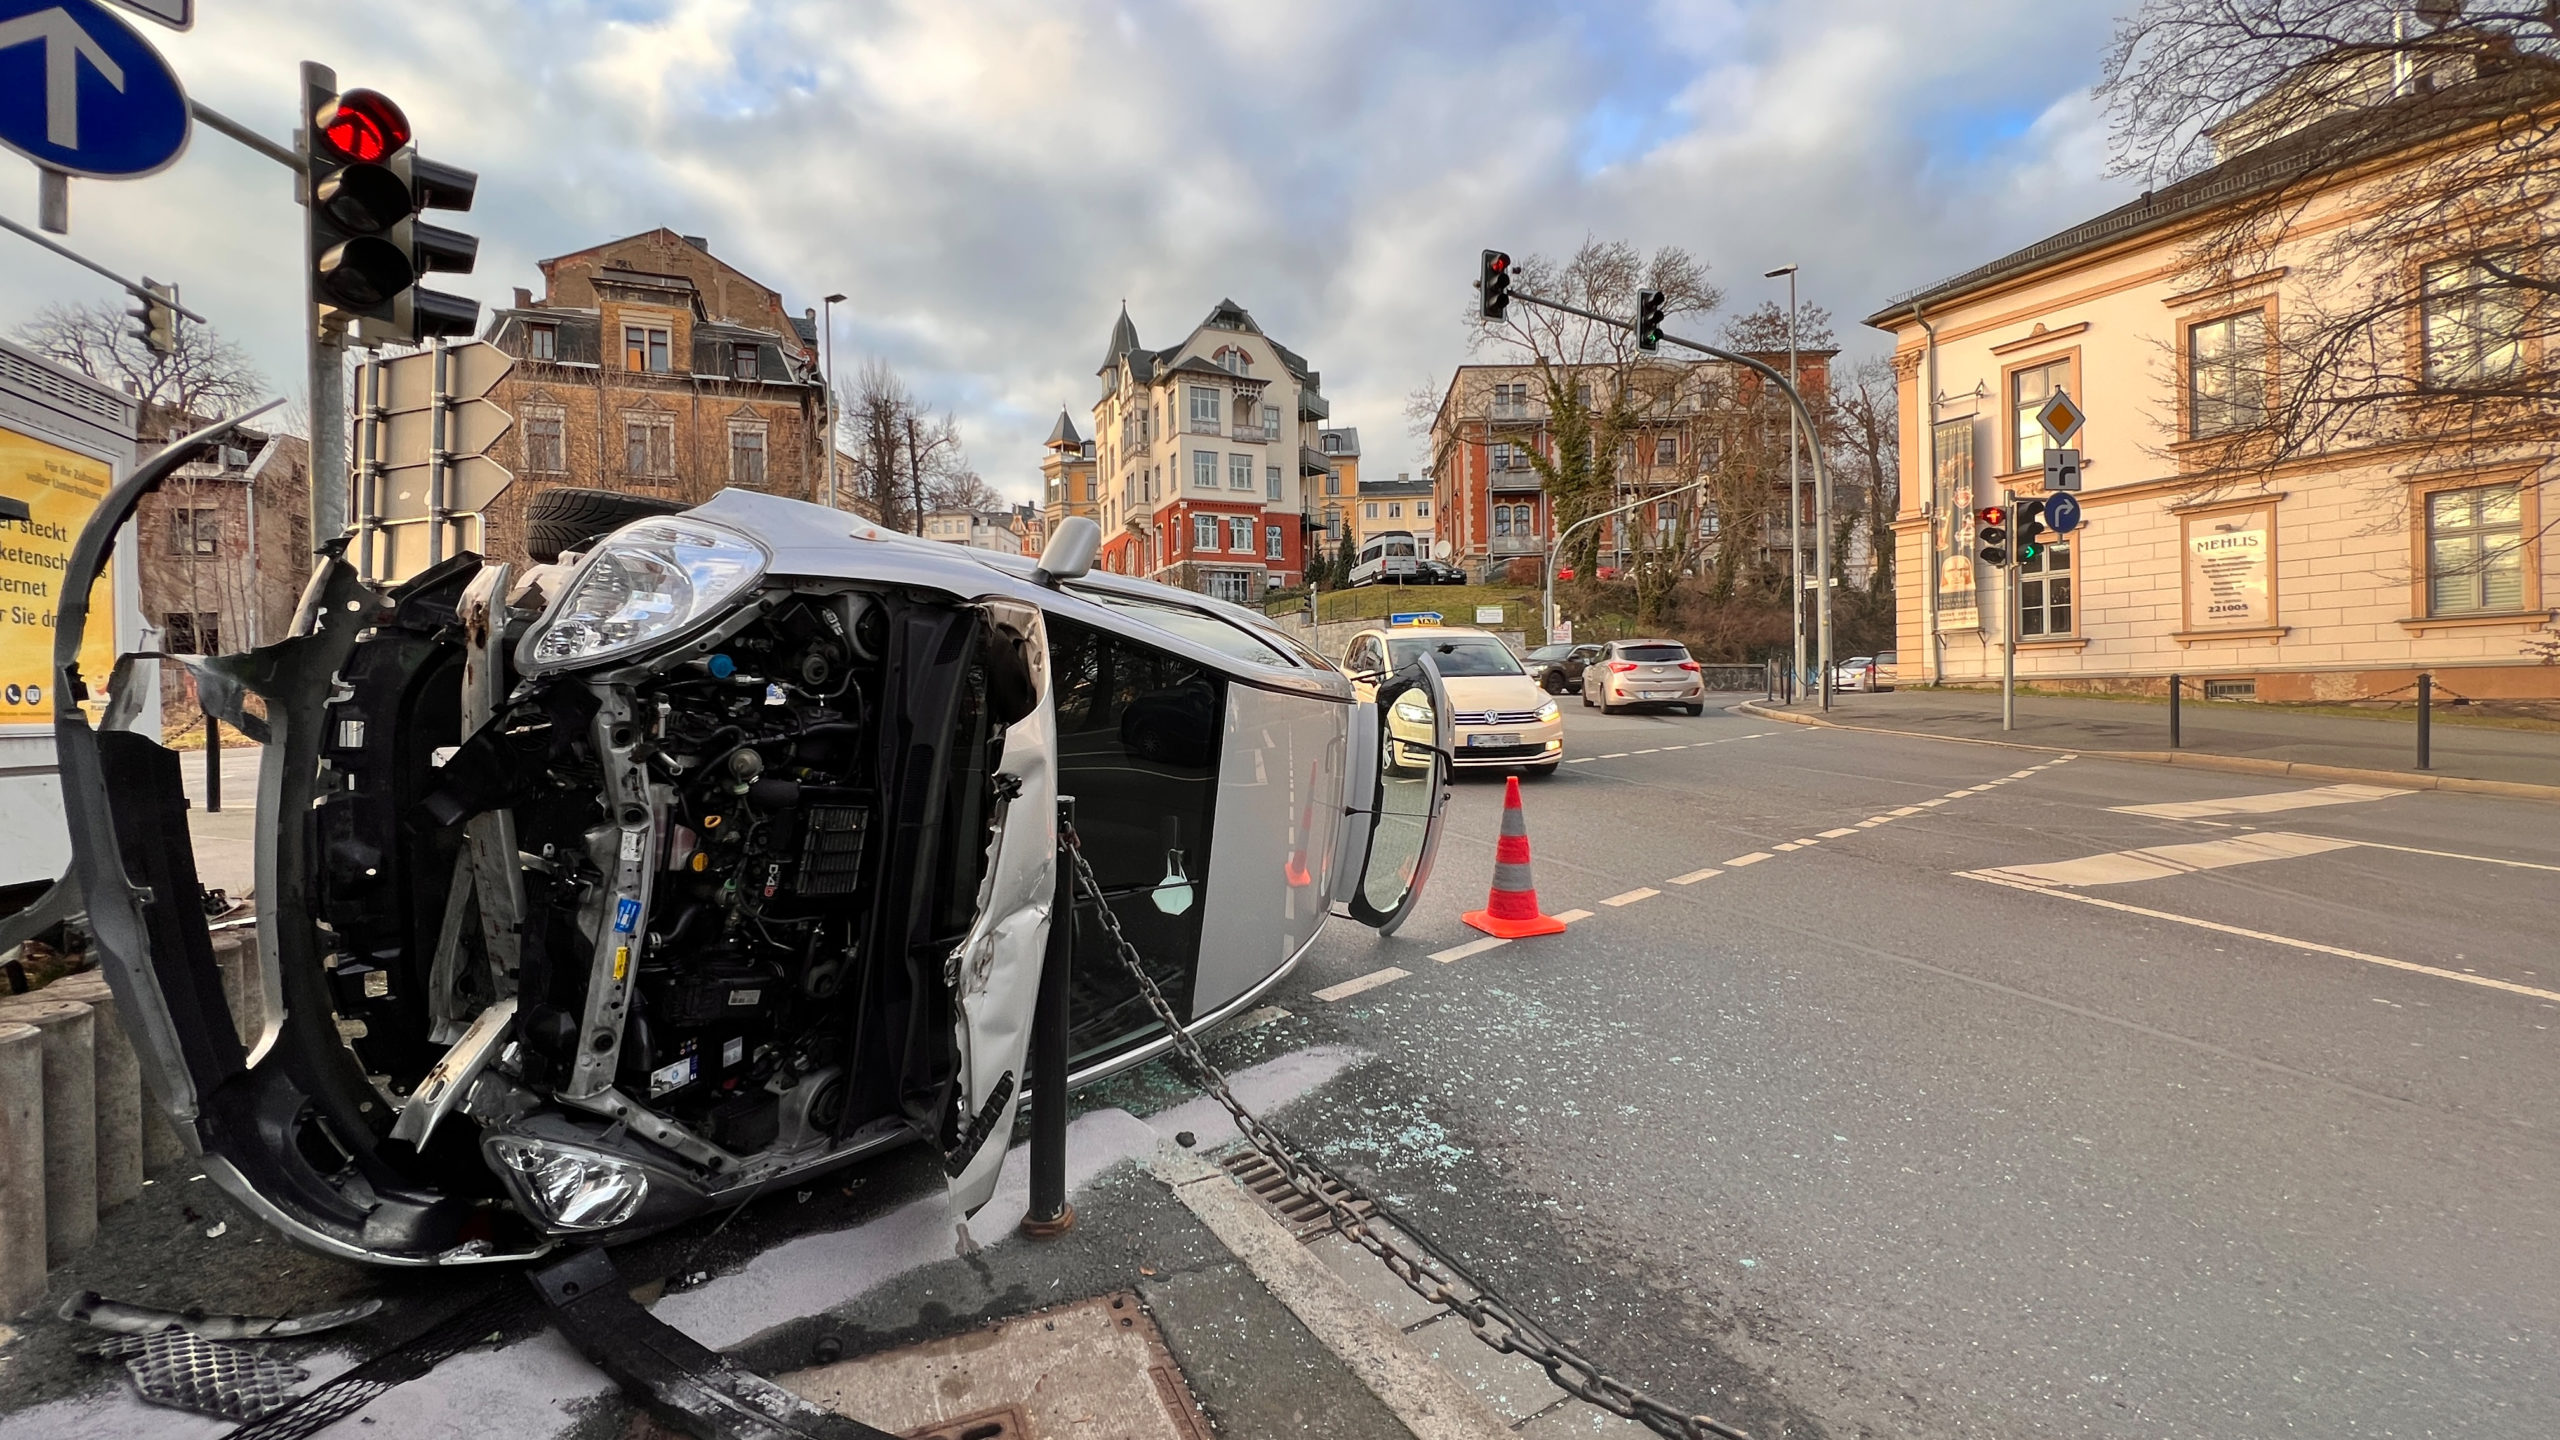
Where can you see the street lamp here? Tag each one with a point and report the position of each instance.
(829, 371)
(1555, 551)
(1795, 519)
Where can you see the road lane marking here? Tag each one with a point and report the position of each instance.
(1694, 876)
(2264, 804)
(2020, 774)
(1370, 981)
(1871, 824)
(1582, 759)
(1836, 834)
(1640, 893)
(1641, 752)
(1788, 845)
(1667, 749)
(2314, 946)
(1905, 810)
(2157, 862)
(1754, 858)
(1570, 916)
(1802, 841)
(1931, 804)
(2457, 855)
(1955, 795)
(1618, 755)
(1472, 947)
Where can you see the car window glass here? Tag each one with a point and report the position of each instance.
(1195, 626)
(1458, 656)
(1655, 653)
(1550, 652)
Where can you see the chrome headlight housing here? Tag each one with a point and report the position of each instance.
(563, 1187)
(1548, 709)
(646, 583)
(1412, 710)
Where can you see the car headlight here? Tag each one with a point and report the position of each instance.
(568, 1188)
(1550, 710)
(1413, 711)
(646, 582)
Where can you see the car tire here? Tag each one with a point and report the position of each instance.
(1586, 697)
(1605, 707)
(570, 518)
(1552, 683)
(1698, 709)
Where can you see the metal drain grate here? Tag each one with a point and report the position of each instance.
(1005, 1424)
(1304, 1215)
(174, 1368)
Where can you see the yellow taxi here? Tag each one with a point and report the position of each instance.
(1500, 718)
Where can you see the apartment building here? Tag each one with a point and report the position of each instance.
(1403, 503)
(1069, 483)
(651, 365)
(1209, 457)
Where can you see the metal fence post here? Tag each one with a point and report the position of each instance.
(2426, 718)
(1050, 1214)
(2173, 712)
(212, 763)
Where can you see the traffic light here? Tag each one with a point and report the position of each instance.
(1994, 520)
(365, 184)
(1493, 285)
(2031, 530)
(1649, 309)
(155, 318)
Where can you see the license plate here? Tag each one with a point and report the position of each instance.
(1662, 694)
(1505, 739)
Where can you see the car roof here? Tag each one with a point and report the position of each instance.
(1649, 642)
(1399, 632)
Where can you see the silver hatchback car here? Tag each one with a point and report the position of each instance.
(1644, 672)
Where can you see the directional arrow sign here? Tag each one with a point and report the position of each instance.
(2062, 513)
(81, 92)
(408, 436)
(2061, 417)
(472, 370)
(469, 486)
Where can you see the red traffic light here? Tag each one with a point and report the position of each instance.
(1994, 515)
(364, 125)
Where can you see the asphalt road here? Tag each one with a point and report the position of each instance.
(2256, 1138)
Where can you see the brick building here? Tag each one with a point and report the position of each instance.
(225, 548)
(1206, 454)
(651, 365)
(1491, 503)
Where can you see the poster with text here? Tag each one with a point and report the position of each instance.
(1951, 527)
(60, 488)
(2231, 561)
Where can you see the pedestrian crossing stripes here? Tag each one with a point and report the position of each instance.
(2122, 867)
(2264, 804)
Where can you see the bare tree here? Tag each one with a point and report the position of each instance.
(957, 487)
(1761, 332)
(207, 376)
(2420, 328)
(875, 415)
(1866, 440)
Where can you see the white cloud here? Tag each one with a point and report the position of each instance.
(988, 181)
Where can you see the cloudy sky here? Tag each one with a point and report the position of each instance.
(988, 179)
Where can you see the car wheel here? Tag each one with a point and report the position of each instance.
(1552, 683)
(1586, 697)
(1605, 707)
(1698, 709)
(571, 518)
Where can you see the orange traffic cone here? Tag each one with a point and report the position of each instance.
(1511, 909)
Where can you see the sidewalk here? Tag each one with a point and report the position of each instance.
(2224, 734)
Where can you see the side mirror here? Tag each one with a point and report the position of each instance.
(1069, 553)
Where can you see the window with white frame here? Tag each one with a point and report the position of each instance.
(1240, 534)
(2475, 550)
(2226, 376)
(2472, 322)
(1204, 532)
(1271, 483)
(644, 347)
(1204, 409)
(1421, 509)
(2028, 390)
(1511, 402)
(1273, 545)
(1666, 449)
(2044, 591)
(1395, 509)
(1204, 469)
(1509, 457)
(1369, 511)
(1333, 482)
(1332, 444)
(742, 362)
(195, 532)
(1239, 472)
(746, 453)
(545, 450)
(542, 342)
(1271, 422)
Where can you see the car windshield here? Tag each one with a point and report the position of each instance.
(1194, 626)
(1550, 652)
(1657, 654)
(1457, 654)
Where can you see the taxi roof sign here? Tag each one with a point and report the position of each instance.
(1414, 617)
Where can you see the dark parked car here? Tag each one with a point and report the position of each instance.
(1558, 668)
(1438, 572)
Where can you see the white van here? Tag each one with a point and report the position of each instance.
(1387, 555)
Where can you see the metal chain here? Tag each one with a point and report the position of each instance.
(1493, 1319)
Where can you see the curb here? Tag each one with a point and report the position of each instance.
(2236, 764)
(1433, 1403)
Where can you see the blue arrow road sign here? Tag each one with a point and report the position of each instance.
(2062, 512)
(83, 93)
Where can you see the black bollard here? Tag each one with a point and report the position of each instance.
(1050, 1214)
(2173, 712)
(212, 765)
(2426, 719)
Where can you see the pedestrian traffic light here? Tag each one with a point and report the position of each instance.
(365, 184)
(1649, 319)
(1493, 285)
(1994, 520)
(155, 318)
(2031, 529)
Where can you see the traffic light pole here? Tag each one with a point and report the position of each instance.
(2009, 623)
(1800, 413)
(327, 349)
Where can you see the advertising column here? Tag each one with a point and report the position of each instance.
(63, 442)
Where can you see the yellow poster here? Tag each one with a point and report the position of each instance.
(60, 488)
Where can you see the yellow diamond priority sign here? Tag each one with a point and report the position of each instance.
(2061, 418)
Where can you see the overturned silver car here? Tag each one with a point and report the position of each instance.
(596, 895)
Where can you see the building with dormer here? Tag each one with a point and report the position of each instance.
(653, 366)
(1208, 458)
(1068, 482)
